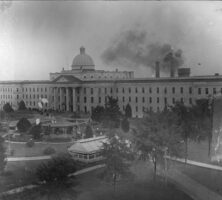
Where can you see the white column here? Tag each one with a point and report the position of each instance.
(60, 98)
(55, 98)
(67, 99)
(74, 99)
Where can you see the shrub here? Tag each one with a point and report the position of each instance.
(8, 108)
(57, 169)
(35, 131)
(21, 105)
(49, 151)
(88, 131)
(125, 125)
(23, 125)
(30, 143)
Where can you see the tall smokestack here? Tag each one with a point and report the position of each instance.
(157, 69)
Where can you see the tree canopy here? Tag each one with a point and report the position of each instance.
(36, 131)
(21, 105)
(55, 174)
(117, 153)
(57, 169)
(2, 155)
(128, 111)
(156, 134)
(8, 108)
(98, 113)
(88, 131)
(125, 125)
(23, 125)
(112, 113)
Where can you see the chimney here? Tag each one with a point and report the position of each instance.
(184, 72)
(157, 69)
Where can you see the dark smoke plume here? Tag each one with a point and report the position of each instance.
(134, 47)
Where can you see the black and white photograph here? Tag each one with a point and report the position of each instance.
(110, 100)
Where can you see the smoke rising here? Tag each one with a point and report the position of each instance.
(5, 5)
(135, 48)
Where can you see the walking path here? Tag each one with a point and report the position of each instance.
(14, 159)
(194, 189)
(198, 164)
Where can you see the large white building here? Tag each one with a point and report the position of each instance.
(82, 88)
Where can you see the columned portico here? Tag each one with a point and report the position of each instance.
(55, 97)
(74, 99)
(64, 98)
(60, 98)
(67, 99)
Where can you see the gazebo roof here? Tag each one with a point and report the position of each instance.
(87, 146)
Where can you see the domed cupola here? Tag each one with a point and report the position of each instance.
(83, 61)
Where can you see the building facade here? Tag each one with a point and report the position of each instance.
(83, 88)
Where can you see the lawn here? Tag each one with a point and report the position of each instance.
(21, 150)
(90, 187)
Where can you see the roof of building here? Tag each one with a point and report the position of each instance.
(209, 78)
(83, 61)
(89, 145)
(66, 78)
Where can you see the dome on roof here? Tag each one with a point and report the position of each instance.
(83, 61)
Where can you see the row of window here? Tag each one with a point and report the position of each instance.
(34, 89)
(99, 77)
(24, 89)
(165, 90)
(111, 90)
(32, 96)
(4, 96)
(5, 89)
(166, 100)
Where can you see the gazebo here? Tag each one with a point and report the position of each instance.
(88, 150)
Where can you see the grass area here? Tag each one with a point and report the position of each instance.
(19, 174)
(16, 115)
(90, 187)
(21, 150)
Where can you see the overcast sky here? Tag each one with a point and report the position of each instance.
(39, 37)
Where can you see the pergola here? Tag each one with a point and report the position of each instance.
(61, 127)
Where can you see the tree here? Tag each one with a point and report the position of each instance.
(117, 154)
(2, 155)
(57, 169)
(56, 177)
(112, 113)
(36, 131)
(187, 122)
(156, 134)
(125, 125)
(21, 105)
(98, 113)
(2, 115)
(23, 125)
(88, 131)
(203, 114)
(7, 108)
(128, 111)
